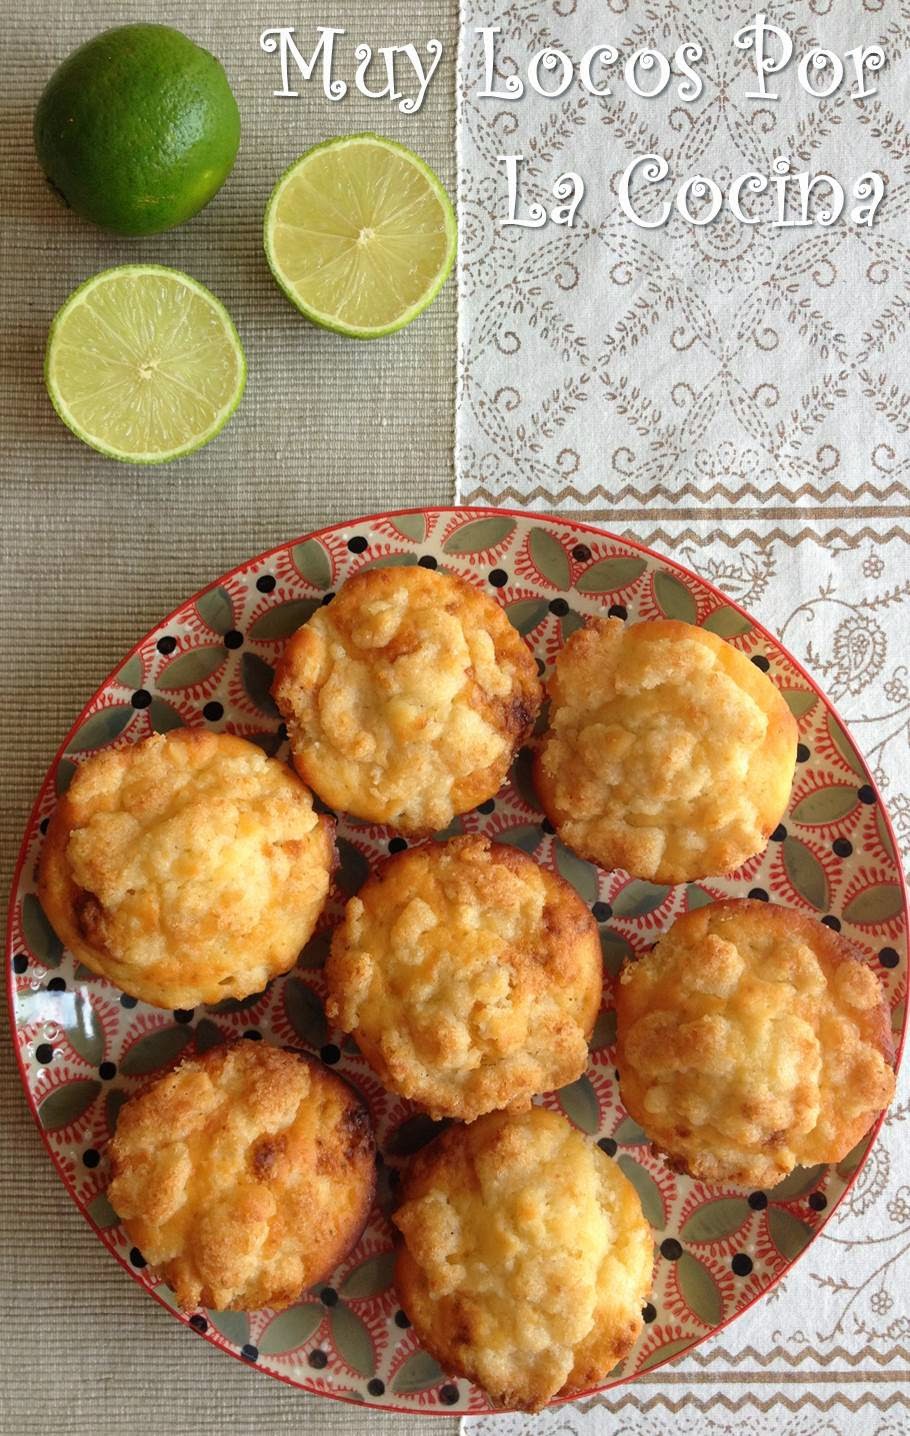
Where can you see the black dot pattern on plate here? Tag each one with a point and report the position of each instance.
(166, 645)
(127, 1001)
(91, 1158)
(330, 1054)
(761, 662)
(758, 894)
(107, 1070)
(20, 963)
(803, 754)
(498, 577)
(888, 957)
(741, 1264)
(648, 1313)
(559, 607)
(866, 794)
(608, 1145)
(581, 553)
(57, 984)
(547, 827)
(602, 911)
(758, 1201)
(357, 544)
(213, 711)
(328, 1296)
(831, 921)
(249, 1352)
(427, 561)
(318, 1359)
(44, 825)
(252, 1034)
(780, 832)
(488, 807)
(818, 1201)
(448, 1394)
(183, 1014)
(199, 1323)
(141, 698)
(137, 1259)
(376, 1387)
(670, 1249)
(266, 583)
(618, 610)
(402, 1319)
(842, 847)
(44, 1052)
(233, 638)
(327, 598)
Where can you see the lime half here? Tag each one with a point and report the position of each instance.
(144, 364)
(360, 234)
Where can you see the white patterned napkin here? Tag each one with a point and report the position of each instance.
(739, 397)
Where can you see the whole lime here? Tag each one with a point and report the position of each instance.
(137, 129)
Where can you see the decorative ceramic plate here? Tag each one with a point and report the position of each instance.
(83, 1048)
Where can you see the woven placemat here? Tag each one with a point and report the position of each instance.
(94, 553)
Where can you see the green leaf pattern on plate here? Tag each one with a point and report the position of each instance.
(284, 619)
(305, 1013)
(257, 680)
(648, 1191)
(715, 1219)
(417, 1373)
(291, 1328)
(806, 873)
(825, 805)
(699, 1289)
(194, 666)
(727, 623)
(101, 728)
(787, 1232)
(674, 599)
(549, 558)
(156, 1050)
(313, 563)
(580, 1104)
(40, 938)
(216, 610)
(352, 1340)
(370, 1277)
(66, 1104)
(479, 535)
(610, 575)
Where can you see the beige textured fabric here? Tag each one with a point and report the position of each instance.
(93, 553)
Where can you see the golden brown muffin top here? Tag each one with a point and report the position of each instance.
(668, 753)
(751, 1040)
(470, 976)
(526, 1256)
(243, 1176)
(406, 697)
(186, 868)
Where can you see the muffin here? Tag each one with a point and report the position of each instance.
(186, 868)
(469, 976)
(752, 1040)
(668, 753)
(406, 698)
(526, 1257)
(244, 1176)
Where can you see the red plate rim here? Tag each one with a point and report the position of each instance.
(569, 522)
